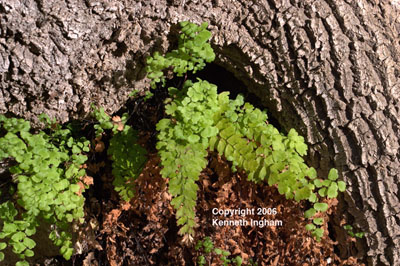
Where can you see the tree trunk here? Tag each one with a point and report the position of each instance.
(328, 68)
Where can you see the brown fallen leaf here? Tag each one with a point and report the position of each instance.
(232, 242)
(126, 206)
(90, 260)
(154, 250)
(99, 146)
(120, 127)
(88, 180)
(81, 188)
(116, 118)
(275, 262)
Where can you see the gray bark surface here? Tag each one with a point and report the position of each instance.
(328, 68)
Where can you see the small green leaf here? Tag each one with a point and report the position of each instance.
(332, 191)
(221, 146)
(29, 243)
(318, 183)
(341, 186)
(201, 260)
(262, 173)
(319, 232)
(311, 173)
(326, 183)
(310, 227)
(218, 251)
(74, 188)
(225, 253)
(302, 193)
(193, 138)
(212, 142)
(348, 227)
(322, 207)
(2, 245)
(18, 247)
(318, 221)
(198, 246)
(360, 234)
(29, 253)
(1, 256)
(18, 236)
(312, 198)
(63, 184)
(301, 148)
(310, 213)
(70, 142)
(9, 228)
(238, 260)
(22, 263)
(333, 174)
(75, 149)
(322, 192)
(67, 252)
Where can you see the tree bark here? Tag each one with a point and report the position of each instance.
(327, 68)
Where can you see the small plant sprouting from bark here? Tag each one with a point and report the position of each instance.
(326, 188)
(206, 246)
(192, 53)
(350, 230)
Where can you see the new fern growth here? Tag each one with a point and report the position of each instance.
(192, 53)
(128, 157)
(199, 119)
(206, 246)
(182, 145)
(47, 171)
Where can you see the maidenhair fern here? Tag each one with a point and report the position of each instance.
(47, 171)
(127, 155)
(183, 142)
(199, 119)
(257, 147)
(191, 55)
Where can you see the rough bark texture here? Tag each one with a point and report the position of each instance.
(328, 68)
